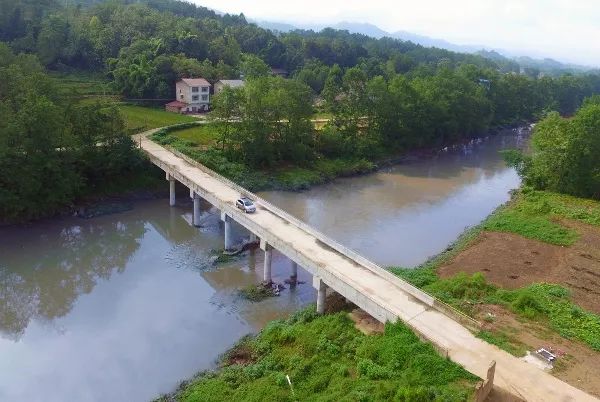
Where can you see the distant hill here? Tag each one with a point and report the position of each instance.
(547, 65)
(373, 31)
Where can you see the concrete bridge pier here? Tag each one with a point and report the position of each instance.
(228, 235)
(321, 293)
(268, 260)
(294, 273)
(196, 215)
(171, 180)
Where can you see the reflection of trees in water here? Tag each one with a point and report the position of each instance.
(64, 263)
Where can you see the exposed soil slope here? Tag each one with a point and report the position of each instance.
(512, 261)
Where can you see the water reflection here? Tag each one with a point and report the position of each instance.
(123, 307)
(406, 213)
(44, 268)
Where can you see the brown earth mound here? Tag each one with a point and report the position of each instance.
(511, 261)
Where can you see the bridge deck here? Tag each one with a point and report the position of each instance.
(383, 297)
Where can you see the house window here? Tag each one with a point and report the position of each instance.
(194, 97)
(181, 96)
(204, 89)
(204, 97)
(195, 89)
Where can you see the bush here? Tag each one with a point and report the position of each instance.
(565, 153)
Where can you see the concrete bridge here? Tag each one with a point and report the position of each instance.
(372, 288)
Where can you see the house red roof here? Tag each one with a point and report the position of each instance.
(196, 82)
(176, 104)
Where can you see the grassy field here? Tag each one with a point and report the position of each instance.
(144, 118)
(203, 135)
(327, 359)
(535, 215)
(88, 88)
(81, 85)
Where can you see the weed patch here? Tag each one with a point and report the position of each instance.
(257, 293)
(326, 358)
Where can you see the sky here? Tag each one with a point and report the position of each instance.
(567, 30)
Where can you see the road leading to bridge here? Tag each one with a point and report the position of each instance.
(375, 290)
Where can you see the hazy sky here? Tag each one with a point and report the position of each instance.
(568, 30)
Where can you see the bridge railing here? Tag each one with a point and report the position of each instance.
(348, 252)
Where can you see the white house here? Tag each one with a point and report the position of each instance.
(219, 85)
(192, 96)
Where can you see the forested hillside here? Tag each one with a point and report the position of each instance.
(146, 45)
(383, 96)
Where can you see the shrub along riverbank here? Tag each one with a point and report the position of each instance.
(534, 215)
(326, 358)
(283, 178)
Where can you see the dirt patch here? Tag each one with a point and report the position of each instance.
(365, 323)
(241, 354)
(511, 261)
(335, 302)
(577, 364)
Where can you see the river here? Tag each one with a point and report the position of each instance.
(123, 307)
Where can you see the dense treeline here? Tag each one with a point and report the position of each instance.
(565, 153)
(373, 117)
(145, 46)
(52, 151)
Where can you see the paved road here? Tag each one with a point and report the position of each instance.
(512, 374)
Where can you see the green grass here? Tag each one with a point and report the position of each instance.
(504, 342)
(82, 84)
(327, 359)
(547, 304)
(535, 215)
(205, 134)
(138, 118)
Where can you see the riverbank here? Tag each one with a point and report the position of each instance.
(196, 141)
(309, 357)
(117, 195)
(530, 273)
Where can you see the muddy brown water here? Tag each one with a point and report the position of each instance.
(404, 214)
(123, 307)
